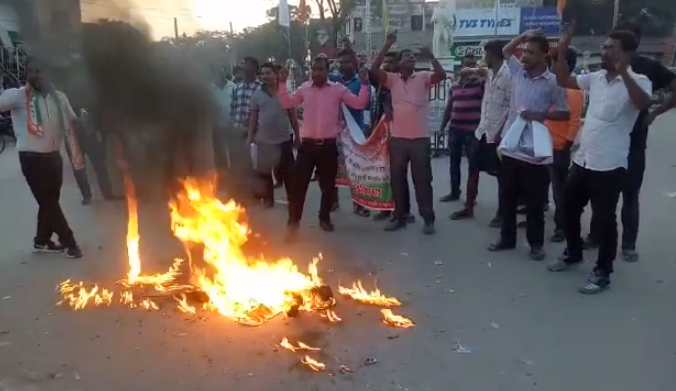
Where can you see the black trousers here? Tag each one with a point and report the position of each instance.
(558, 173)
(602, 189)
(531, 182)
(283, 172)
(322, 155)
(417, 152)
(44, 175)
(630, 202)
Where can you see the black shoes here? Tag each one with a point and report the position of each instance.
(74, 252)
(450, 197)
(327, 226)
(501, 246)
(49, 247)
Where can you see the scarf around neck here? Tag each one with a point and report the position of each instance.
(34, 120)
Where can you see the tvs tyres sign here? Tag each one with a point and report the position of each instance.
(485, 22)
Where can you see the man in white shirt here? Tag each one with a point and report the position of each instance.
(42, 118)
(616, 96)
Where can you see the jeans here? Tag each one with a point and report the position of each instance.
(531, 181)
(417, 152)
(44, 175)
(603, 190)
(459, 140)
(558, 173)
(322, 155)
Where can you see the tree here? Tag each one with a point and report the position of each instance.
(338, 10)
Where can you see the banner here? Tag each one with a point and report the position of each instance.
(540, 18)
(485, 22)
(364, 164)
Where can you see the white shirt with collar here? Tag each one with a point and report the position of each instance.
(495, 104)
(605, 135)
(223, 97)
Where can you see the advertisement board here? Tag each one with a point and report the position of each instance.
(540, 18)
(485, 22)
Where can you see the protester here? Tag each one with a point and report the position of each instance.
(563, 137)
(321, 100)
(42, 118)
(241, 173)
(463, 111)
(222, 91)
(237, 74)
(270, 130)
(661, 79)
(410, 131)
(384, 108)
(347, 75)
(93, 144)
(494, 112)
(535, 97)
(616, 96)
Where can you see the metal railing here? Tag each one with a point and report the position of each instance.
(13, 63)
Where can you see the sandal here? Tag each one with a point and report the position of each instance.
(361, 211)
(461, 214)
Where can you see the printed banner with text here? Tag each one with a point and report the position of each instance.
(364, 164)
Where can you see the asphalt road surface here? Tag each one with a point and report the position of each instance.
(483, 321)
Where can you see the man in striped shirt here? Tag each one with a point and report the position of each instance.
(463, 111)
(535, 97)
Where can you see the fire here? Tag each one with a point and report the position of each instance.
(300, 346)
(391, 319)
(132, 231)
(78, 296)
(358, 293)
(313, 364)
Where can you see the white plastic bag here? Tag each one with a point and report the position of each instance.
(510, 142)
(542, 140)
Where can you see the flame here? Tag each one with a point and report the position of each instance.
(391, 319)
(358, 293)
(133, 237)
(300, 346)
(313, 364)
(78, 296)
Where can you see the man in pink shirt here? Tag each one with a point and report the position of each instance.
(410, 131)
(321, 100)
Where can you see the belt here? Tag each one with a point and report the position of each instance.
(319, 141)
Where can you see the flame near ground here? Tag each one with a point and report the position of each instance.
(248, 290)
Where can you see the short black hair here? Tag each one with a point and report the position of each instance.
(630, 26)
(275, 68)
(469, 56)
(36, 62)
(347, 52)
(541, 41)
(627, 39)
(391, 54)
(322, 59)
(571, 58)
(252, 61)
(236, 69)
(402, 52)
(494, 47)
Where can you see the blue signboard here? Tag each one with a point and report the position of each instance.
(543, 18)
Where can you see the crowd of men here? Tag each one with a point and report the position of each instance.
(259, 144)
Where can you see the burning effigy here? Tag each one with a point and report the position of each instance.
(248, 290)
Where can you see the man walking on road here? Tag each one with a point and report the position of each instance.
(270, 130)
(42, 118)
(321, 100)
(410, 131)
(616, 96)
(661, 79)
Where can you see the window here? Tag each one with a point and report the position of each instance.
(416, 22)
(357, 25)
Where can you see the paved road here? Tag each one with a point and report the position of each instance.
(526, 329)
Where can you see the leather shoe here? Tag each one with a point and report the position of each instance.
(327, 226)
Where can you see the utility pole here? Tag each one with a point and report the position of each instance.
(616, 12)
(367, 29)
(176, 28)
